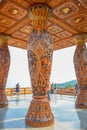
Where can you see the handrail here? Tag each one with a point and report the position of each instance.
(24, 91)
(11, 91)
(67, 91)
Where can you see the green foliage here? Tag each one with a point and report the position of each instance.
(69, 86)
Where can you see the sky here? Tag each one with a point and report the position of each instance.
(62, 67)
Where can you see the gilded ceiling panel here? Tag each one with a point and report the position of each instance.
(54, 38)
(65, 10)
(64, 34)
(23, 3)
(54, 29)
(18, 43)
(13, 11)
(78, 20)
(6, 21)
(26, 29)
(55, 3)
(19, 35)
(83, 28)
(18, 25)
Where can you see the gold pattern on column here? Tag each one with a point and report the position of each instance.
(40, 52)
(80, 38)
(4, 67)
(80, 64)
(39, 14)
(4, 39)
(40, 62)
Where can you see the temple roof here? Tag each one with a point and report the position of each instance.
(69, 17)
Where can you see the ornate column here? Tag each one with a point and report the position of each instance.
(4, 67)
(80, 64)
(40, 62)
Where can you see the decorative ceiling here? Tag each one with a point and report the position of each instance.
(69, 17)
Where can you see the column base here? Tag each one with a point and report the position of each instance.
(3, 100)
(81, 101)
(39, 113)
(81, 106)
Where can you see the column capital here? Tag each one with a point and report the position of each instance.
(4, 38)
(80, 38)
(39, 14)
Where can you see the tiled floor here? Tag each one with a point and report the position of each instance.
(63, 108)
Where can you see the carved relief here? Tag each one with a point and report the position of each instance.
(4, 67)
(79, 61)
(40, 62)
(40, 113)
(80, 64)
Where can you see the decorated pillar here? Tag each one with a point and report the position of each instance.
(40, 53)
(80, 64)
(4, 68)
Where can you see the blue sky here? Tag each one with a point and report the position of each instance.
(62, 67)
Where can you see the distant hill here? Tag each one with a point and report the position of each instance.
(66, 84)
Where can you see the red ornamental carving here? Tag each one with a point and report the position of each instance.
(80, 63)
(40, 62)
(4, 67)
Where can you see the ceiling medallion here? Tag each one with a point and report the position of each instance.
(39, 14)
